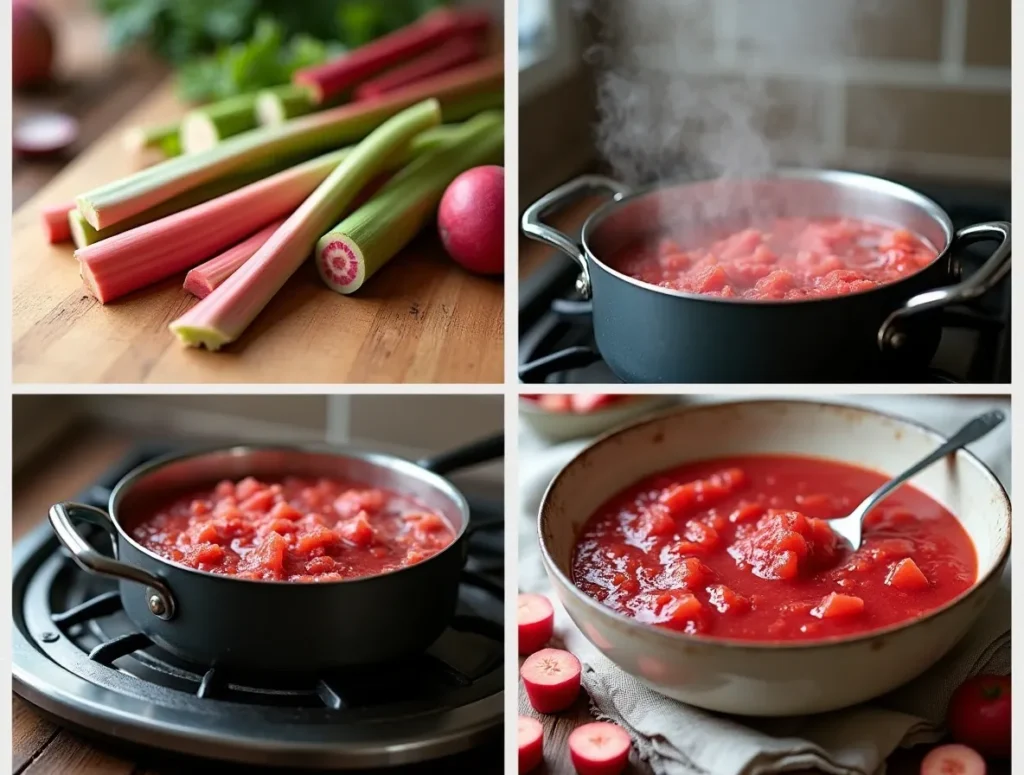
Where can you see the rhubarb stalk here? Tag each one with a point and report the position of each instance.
(281, 103)
(163, 138)
(222, 316)
(332, 128)
(454, 53)
(129, 261)
(350, 253)
(55, 222)
(334, 78)
(202, 128)
(201, 280)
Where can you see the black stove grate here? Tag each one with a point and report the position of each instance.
(75, 647)
(556, 342)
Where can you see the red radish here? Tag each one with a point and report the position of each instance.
(552, 680)
(536, 619)
(599, 748)
(953, 759)
(531, 743)
(32, 46)
(471, 219)
(44, 134)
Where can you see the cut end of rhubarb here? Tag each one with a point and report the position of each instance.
(340, 263)
(197, 285)
(199, 336)
(198, 133)
(269, 109)
(76, 224)
(88, 211)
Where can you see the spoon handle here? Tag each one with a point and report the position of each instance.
(972, 431)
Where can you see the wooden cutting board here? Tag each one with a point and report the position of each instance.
(420, 319)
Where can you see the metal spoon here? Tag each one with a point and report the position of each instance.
(850, 527)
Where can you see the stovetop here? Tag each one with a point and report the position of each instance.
(556, 339)
(78, 658)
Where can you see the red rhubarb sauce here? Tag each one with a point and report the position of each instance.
(740, 548)
(294, 530)
(790, 258)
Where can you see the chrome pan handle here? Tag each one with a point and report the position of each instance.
(890, 335)
(535, 228)
(63, 517)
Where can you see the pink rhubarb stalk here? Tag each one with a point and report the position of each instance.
(221, 317)
(332, 79)
(55, 222)
(454, 53)
(201, 280)
(152, 252)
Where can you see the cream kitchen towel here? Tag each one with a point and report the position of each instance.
(677, 739)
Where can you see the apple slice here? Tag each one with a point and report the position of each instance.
(600, 748)
(552, 679)
(949, 759)
(536, 618)
(531, 743)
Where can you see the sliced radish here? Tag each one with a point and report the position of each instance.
(536, 619)
(600, 748)
(953, 759)
(531, 743)
(44, 134)
(552, 680)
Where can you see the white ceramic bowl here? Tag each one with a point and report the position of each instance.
(563, 426)
(773, 679)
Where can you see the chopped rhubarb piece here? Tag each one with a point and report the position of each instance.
(836, 605)
(536, 619)
(530, 734)
(906, 576)
(552, 679)
(316, 538)
(727, 601)
(201, 280)
(55, 222)
(357, 531)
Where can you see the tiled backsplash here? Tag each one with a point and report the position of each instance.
(918, 87)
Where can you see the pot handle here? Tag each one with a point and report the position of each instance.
(483, 451)
(535, 228)
(891, 336)
(63, 517)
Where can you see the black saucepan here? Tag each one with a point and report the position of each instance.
(652, 334)
(269, 625)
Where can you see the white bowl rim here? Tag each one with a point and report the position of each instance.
(737, 644)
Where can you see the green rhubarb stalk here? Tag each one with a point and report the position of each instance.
(350, 253)
(202, 128)
(163, 138)
(83, 233)
(222, 316)
(310, 134)
(281, 103)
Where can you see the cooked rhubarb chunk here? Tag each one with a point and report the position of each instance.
(906, 576)
(836, 605)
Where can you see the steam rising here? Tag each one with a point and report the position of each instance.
(668, 112)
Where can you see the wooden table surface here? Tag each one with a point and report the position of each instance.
(421, 319)
(41, 747)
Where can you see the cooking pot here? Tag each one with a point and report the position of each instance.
(231, 622)
(647, 333)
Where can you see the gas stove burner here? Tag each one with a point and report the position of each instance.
(556, 343)
(78, 657)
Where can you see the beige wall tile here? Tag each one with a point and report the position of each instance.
(886, 29)
(427, 422)
(305, 412)
(929, 120)
(988, 33)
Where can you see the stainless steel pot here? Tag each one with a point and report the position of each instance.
(269, 625)
(648, 333)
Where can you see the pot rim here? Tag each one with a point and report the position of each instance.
(402, 466)
(832, 176)
(736, 644)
